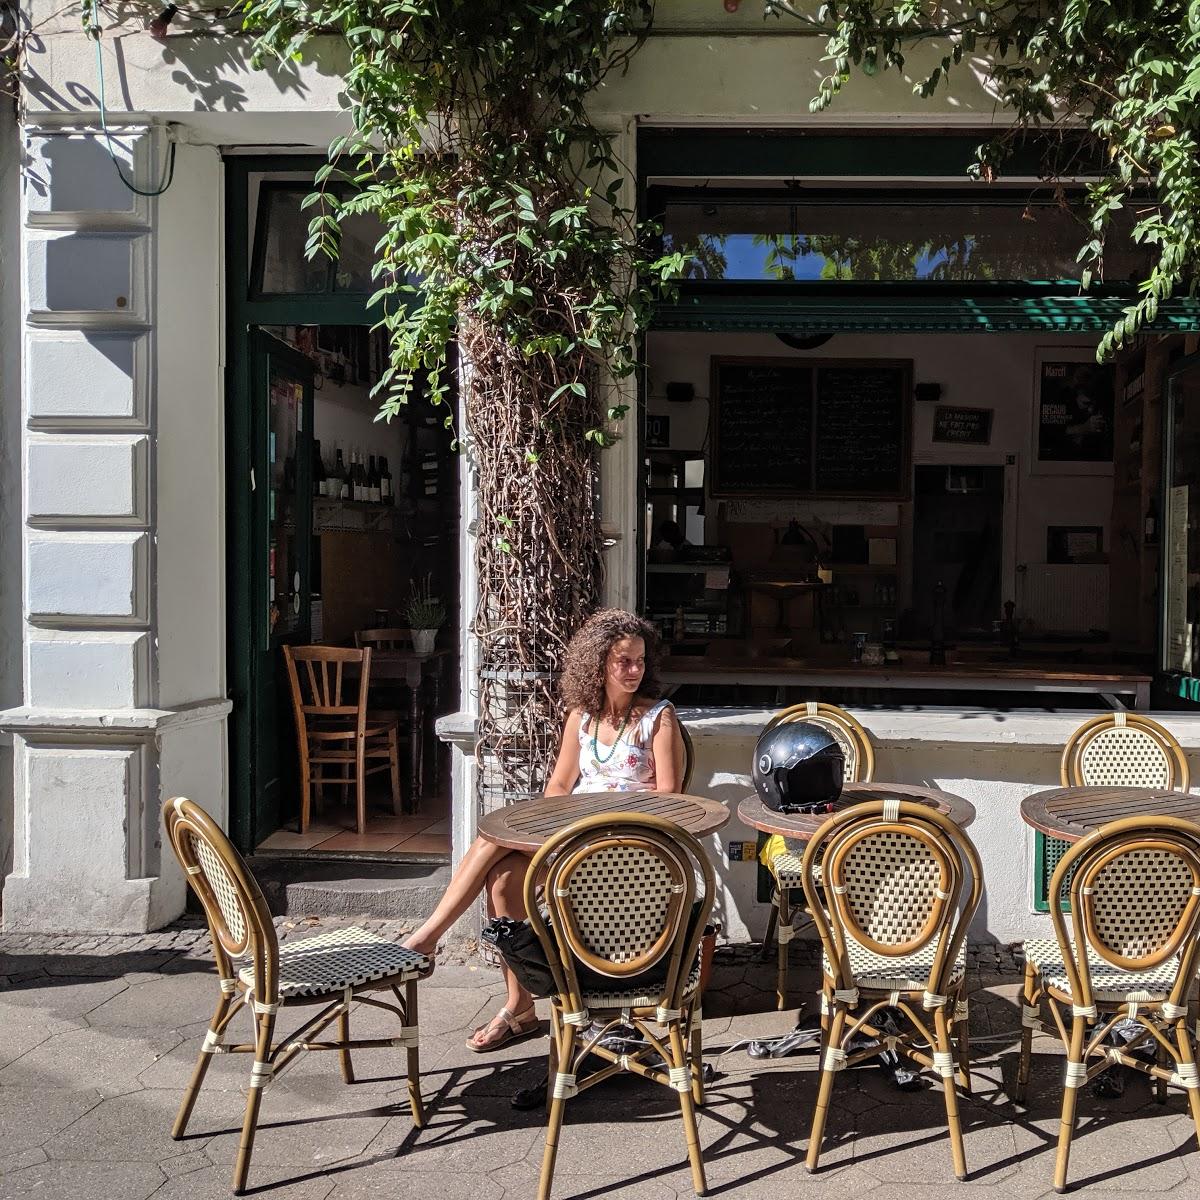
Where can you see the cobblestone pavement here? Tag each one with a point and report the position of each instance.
(97, 1036)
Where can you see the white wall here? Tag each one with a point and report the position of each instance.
(344, 416)
(995, 371)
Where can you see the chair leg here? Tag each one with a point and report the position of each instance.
(414, 1057)
(203, 1060)
(360, 783)
(696, 1040)
(768, 942)
(260, 1076)
(945, 1044)
(394, 770)
(558, 1104)
(688, 1111)
(783, 933)
(1187, 1054)
(552, 1057)
(344, 1052)
(1028, 999)
(832, 1042)
(1066, 1127)
(962, 1038)
(305, 790)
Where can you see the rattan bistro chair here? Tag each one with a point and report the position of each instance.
(892, 887)
(1121, 749)
(782, 860)
(330, 971)
(1130, 953)
(624, 894)
(335, 731)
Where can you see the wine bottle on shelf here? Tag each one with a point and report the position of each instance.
(386, 494)
(355, 477)
(337, 488)
(320, 480)
(373, 482)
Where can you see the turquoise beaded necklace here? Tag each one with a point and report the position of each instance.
(613, 748)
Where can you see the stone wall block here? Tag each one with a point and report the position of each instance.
(87, 378)
(90, 671)
(87, 478)
(70, 177)
(76, 276)
(80, 576)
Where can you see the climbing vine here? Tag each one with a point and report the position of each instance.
(506, 232)
(1120, 79)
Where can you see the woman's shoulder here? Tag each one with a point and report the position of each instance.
(655, 713)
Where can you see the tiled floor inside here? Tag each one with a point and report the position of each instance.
(424, 832)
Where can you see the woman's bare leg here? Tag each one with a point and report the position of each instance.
(468, 881)
(506, 898)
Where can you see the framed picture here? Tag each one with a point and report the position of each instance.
(1072, 413)
(1074, 544)
(658, 432)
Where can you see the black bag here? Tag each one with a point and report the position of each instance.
(525, 957)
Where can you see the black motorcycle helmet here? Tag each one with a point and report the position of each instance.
(798, 767)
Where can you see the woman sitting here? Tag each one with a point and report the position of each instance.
(618, 737)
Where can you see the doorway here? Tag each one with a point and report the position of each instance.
(334, 519)
(958, 537)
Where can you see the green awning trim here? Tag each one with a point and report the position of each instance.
(914, 313)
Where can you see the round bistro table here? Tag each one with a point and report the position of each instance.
(529, 824)
(753, 812)
(1071, 813)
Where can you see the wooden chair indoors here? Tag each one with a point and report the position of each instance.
(383, 639)
(1130, 953)
(782, 860)
(330, 972)
(335, 730)
(892, 887)
(627, 897)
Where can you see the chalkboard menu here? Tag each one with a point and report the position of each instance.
(831, 427)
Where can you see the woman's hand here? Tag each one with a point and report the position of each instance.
(566, 767)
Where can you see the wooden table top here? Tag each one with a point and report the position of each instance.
(527, 825)
(753, 812)
(1071, 813)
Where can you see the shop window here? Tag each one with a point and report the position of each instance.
(878, 238)
(280, 267)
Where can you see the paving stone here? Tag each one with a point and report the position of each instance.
(393, 1178)
(132, 1128)
(275, 1183)
(75, 1180)
(30, 1117)
(114, 1059)
(21, 1158)
(185, 1164)
(24, 1028)
(520, 1181)
(160, 1000)
(64, 998)
(455, 1127)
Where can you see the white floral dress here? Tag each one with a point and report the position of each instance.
(630, 766)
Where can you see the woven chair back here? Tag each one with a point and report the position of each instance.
(620, 892)
(322, 692)
(1134, 887)
(239, 920)
(895, 877)
(383, 639)
(1124, 750)
(849, 734)
(689, 756)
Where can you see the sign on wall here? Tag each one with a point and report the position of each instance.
(962, 426)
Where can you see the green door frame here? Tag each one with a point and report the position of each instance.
(244, 314)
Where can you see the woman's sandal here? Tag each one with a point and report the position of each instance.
(516, 1026)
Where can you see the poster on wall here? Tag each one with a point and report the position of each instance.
(1072, 413)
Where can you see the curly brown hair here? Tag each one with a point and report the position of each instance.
(581, 684)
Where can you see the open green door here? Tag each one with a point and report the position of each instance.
(278, 562)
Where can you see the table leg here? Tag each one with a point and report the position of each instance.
(416, 736)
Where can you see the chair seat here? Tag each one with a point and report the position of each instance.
(908, 973)
(341, 958)
(786, 867)
(375, 728)
(1110, 985)
(632, 998)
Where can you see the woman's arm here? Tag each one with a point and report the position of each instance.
(566, 768)
(668, 752)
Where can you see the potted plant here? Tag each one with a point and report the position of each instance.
(425, 613)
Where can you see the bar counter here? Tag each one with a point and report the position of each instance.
(962, 673)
